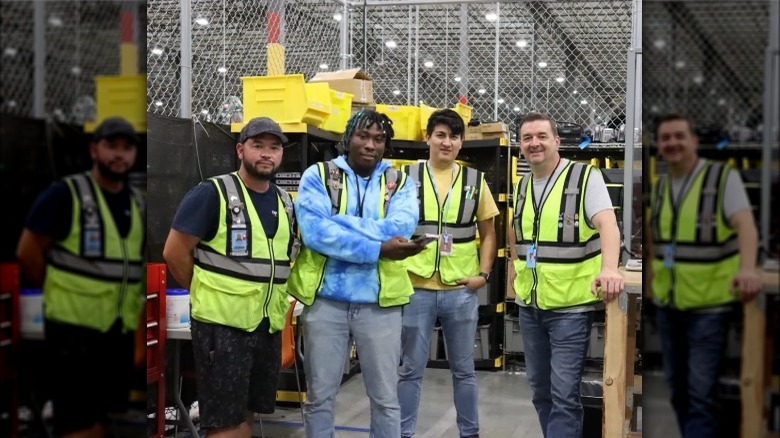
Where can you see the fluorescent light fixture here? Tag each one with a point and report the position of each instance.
(396, 92)
(55, 21)
(76, 70)
(457, 78)
(500, 100)
(574, 92)
(204, 111)
(521, 43)
(583, 102)
(698, 79)
(516, 109)
(202, 21)
(659, 44)
(560, 79)
(157, 51)
(721, 102)
(491, 16)
(391, 44)
(323, 66)
(337, 16)
(222, 69)
(542, 64)
(428, 64)
(481, 91)
(158, 103)
(679, 64)
(10, 51)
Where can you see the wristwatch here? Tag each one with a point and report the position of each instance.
(485, 275)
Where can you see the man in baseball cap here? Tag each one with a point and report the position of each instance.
(115, 127)
(261, 125)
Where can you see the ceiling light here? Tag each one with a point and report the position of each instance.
(204, 111)
(521, 43)
(222, 70)
(574, 92)
(559, 79)
(457, 79)
(679, 65)
(698, 79)
(428, 64)
(391, 44)
(481, 91)
(323, 66)
(396, 92)
(337, 16)
(55, 21)
(583, 102)
(542, 64)
(157, 51)
(500, 100)
(158, 103)
(76, 70)
(202, 21)
(10, 51)
(491, 16)
(721, 101)
(421, 102)
(659, 44)
(516, 109)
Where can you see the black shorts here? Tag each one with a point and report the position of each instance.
(237, 371)
(91, 373)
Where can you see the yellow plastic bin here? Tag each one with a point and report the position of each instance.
(285, 99)
(406, 120)
(340, 111)
(464, 111)
(122, 96)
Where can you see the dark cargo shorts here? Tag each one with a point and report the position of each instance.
(237, 371)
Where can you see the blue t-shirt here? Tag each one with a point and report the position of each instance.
(198, 213)
(52, 211)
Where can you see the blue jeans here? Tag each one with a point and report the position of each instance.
(327, 326)
(457, 311)
(693, 345)
(555, 347)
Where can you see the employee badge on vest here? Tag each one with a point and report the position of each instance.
(669, 256)
(239, 236)
(530, 256)
(445, 244)
(93, 234)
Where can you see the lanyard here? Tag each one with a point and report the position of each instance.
(538, 206)
(436, 187)
(362, 199)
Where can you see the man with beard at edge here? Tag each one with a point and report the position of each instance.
(231, 244)
(83, 244)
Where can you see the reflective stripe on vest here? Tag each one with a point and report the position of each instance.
(98, 269)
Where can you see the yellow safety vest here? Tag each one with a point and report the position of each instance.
(240, 276)
(568, 247)
(705, 247)
(459, 219)
(95, 276)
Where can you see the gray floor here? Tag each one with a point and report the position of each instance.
(505, 409)
(657, 407)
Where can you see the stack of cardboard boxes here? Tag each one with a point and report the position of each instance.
(354, 81)
(487, 131)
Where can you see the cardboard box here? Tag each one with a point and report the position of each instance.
(473, 133)
(363, 106)
(494, 127)
(354, 81)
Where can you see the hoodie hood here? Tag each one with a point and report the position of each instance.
(341, 163)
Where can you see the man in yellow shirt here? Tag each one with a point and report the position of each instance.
(447, 274)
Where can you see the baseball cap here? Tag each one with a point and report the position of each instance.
(261, 125)
(115, 127)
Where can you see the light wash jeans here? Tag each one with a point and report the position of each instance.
(457, 310)
(327, 326)
(555, 347)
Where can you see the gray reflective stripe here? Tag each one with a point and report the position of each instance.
(469, 209)
(709, 194)
(457, 233)
(89, 206)
(704, 253)
(96, 268)
(570, 205)
(429, 228)
(414, 172)
(561, 253)
(520, 204)
(333, 192)
(290, 210)
(250, 269)
(233, 200)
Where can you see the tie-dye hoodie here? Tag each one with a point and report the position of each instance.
(352, 243)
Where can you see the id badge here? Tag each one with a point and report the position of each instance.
(669, 256)
(93, 242)
(239, 242)
(530, 257)
(445, 245)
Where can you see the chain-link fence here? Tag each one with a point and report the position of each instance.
(75, 41)
(706, 59)
(504, 59)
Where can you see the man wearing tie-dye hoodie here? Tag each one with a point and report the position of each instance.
(355, 215)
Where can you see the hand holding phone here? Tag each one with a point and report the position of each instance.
(426, 238)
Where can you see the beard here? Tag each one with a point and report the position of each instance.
(111, 174)
(262, 175)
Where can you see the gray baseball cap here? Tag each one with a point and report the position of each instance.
(115, 127)
(261, 125)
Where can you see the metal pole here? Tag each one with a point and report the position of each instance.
(39, 59)
(534, 105)
(771, 117)
(344, 49)
(463, 69)
(365, 36)
(416, 52)
(409, 61)
(633, 119)
(185, 110)
(495, 72)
